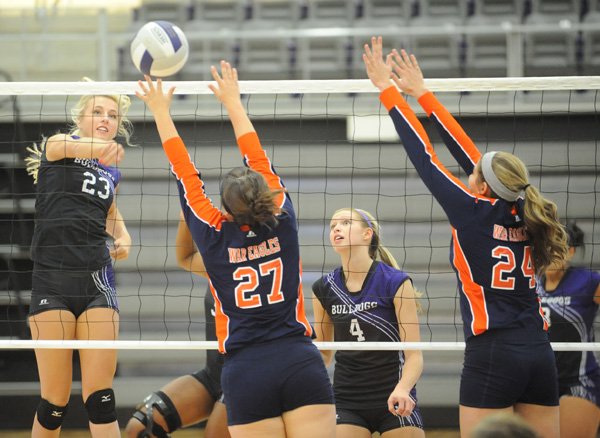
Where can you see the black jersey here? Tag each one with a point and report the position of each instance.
(74, 196)
(364, 379)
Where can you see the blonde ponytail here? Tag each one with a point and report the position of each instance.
(34, 160)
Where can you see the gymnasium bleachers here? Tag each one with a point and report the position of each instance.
(299, 39)
(311, 38)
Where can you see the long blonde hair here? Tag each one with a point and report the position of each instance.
(547, 235)
(125, 128)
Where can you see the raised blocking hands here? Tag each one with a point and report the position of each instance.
(407, 74)
(378, 70)
(227, 89)
(398, 68)
(153, 96)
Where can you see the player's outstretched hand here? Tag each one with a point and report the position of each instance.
(407, 74)
(153, 96)
(378, 70)
(227, 89)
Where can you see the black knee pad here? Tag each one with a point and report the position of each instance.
(100, 407)
(156, 431)
(161, 401)
(50, 416)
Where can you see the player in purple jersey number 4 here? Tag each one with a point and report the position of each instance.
(369, 299)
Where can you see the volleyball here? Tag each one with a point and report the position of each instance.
(159, 49)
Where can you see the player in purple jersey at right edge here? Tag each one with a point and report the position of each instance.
(274, 380)
(570, 297)
(503, 230)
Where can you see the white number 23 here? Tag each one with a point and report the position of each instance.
(89, 185)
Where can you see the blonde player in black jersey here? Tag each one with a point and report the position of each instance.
(369, 299)
(503, 232)
(73, 289)
(188, 399)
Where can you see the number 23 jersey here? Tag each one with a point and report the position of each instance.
(74, 196)
(368, 315)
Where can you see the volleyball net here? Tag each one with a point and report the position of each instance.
(334, 146)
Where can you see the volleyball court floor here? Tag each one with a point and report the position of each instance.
(195, 433)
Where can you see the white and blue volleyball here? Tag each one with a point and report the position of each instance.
(159, 49)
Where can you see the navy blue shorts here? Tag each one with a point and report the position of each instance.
(498, 374)
(378, 420)
(72, 291)
(265, 380)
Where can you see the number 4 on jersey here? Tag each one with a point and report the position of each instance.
(355, 330)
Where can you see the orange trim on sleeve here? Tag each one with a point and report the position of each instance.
(186, 172)
(251, 149)
(390, 97)
(474, 293)
(221, 321)
(432, 105)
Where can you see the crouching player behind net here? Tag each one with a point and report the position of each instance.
(274, 380)
(188, 399)
(502, 231)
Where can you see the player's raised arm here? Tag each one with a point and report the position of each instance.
(227, 91)
(191, 187)
(408, 77)
(159, 103)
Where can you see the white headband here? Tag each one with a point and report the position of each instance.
(492, 180)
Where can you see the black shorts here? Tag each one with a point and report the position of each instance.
(72, 291)
(498, 373)
(378, 420)
(212, 386)
(265, 380)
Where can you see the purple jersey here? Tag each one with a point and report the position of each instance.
(490, 249)
(365, 316)
(254, 274)
(570, 310)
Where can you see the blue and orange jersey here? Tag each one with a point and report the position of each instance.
(570, 309)
(254, 274)
(490, 249)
